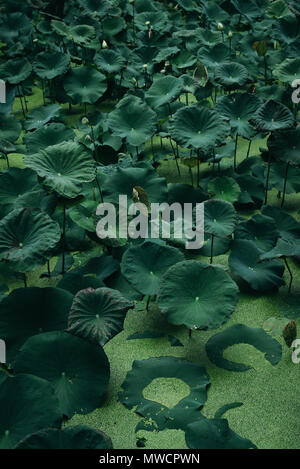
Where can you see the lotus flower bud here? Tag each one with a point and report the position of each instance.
(85, 121)
(230, 34)
(147, 23)
(220, 27)
(133, 80)
(35, 40)
(163, 70)
(104, 45)
(88, 138)
(145, 66)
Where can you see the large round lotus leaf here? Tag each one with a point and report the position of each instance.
(253, 191)
(287, 227)
(29, 311)
(64, 167)
(231, 75)
(48, 65)
(220, 246)
(158, 21)
(283, 249)
(185, 295)
(91, 6)
(198, 127)
(10, 127)
(224, 188)
(98, 315)
(144, 265)
(163, 90)
(84, 215)
(132, 119)
(60, 28)
(145, 371)
(27, 236)
(40, 116)
(285, 146)
(287, 71)
(76, 437)
(166, 52)
(213, 56)
(109, 61)
(244, 261)
(112, 25)
(14, 71)
(272, 116)
(82, 34)
(14, 25)
(28, 404)
(214, 434)
(123, 181)
(85, 85)
(260, 229)
(184, 59)
(46, 136)
(248, 9)
(239, 108)
(184, 194)
(78, 370)
(242, 334)
(219, 218)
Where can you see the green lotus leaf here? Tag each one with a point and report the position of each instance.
(144, 265)
(165, 53)
(184, 59)
(82, 34)
(277, 9)
(40, 116)
(15, 71)
(287, 227)
(283, 249)
(272, 116)
(219, 218)
(185, 295)
(285, 146)
(46, 136)
(220, 246)
(84, 215)
(75, 437)
(287, 71)
(78, 370)
(242, 334)
(85, 85)
(224, 188)
(158, 21)
(163, 90)
(49, 65)
(112, 25)
(109, 61)
(239, 108)
(123, 181)
(249, 9)
(231, 75)
(198, 127)
(132, 119)
(6, 147)
(60, 28)
(27, 236)
(244, 261)
(214, 55)
(184, 194)
(28, 404)
(14, 25)
(10, 127)
(63, 167)
(253, 190)
(46, 310)
(103, 267)
(277, 178)
(98, 315)
(260, 229)
(19, 188)
(214, 434)
(101, 7)
(145, 371)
